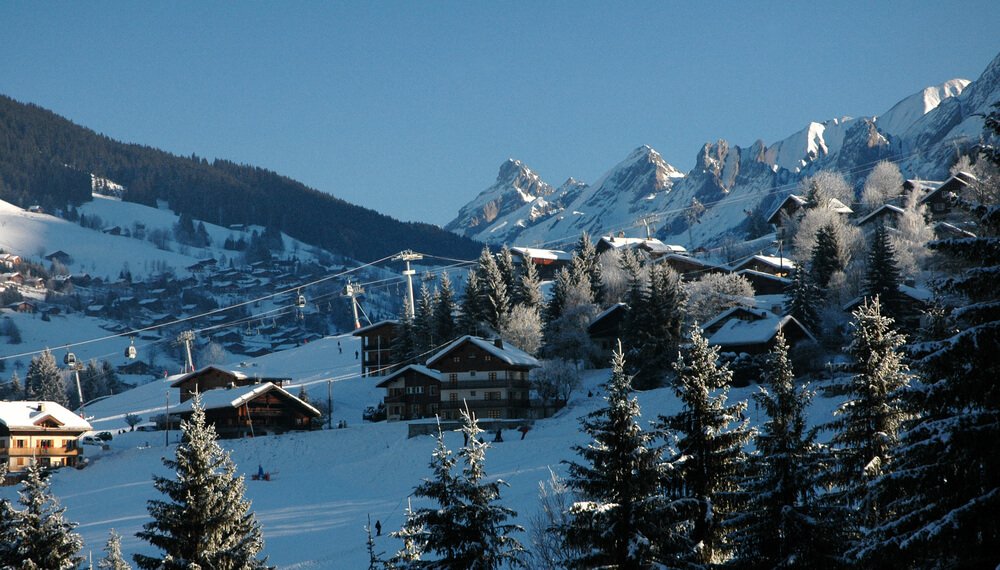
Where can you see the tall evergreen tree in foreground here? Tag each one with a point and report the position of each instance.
(944, 493)
(45, 539)
(782, 526)
(467, 528)
(804, 299)
(9, 518)
(825, 260)
(712, 437)
(206, 520)
(882, 277)
(625, 518)
(113, 559)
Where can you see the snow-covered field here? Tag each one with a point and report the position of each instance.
(327, 482)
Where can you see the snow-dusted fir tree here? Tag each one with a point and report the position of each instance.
(804, 299)
(782, 525)
(496, 295)
(662, 316)
(712, 436)
(523, 328)
(45, 539)
(404, 344)
(473, 305)
(113, 559)
(882, 277)
(625, 516)
(868, 423)
(414, 537)
(554, 308)
(424, 337)
(505, 263)
(9, 518)
(530, 287)
(944, 492)
(205, 518)
(444, 311)
(585, 264)
(466, 528)
(44, 381)
(826, 256)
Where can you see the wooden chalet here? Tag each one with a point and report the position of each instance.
(887, 215)
(753, 331)
(690, 268)
(765, 283)
(793, 204)
(913, 304)
(490, 377)
(39, 431)
(777, 266)
(940, 200)
(213, 378)
(412, 392)
(606, 329)
(250, 411)
(60, 256)
(548, 262)
(376, 347)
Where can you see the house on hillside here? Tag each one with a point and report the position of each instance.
(653, 247)
(213, 378)
(548, 262)
(60, 256)
(793, 204)
(887, 215)
(250, 411)
(9, 260)
(412, 392)
(940, 200)
(39, 431)
(777, 266)
(606, 329)
(490, 377)
(753, 331)
(690, 268)
(765, 283)
(376, 347)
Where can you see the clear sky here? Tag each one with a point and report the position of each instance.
(410, 107)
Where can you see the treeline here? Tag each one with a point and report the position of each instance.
(47, 160)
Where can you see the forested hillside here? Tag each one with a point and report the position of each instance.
(47, 160)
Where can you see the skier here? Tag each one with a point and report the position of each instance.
(378, 528)
(499, 437)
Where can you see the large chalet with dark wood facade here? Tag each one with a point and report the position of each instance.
(376, 347)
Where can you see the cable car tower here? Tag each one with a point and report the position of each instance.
(409, 256)
(352, 291)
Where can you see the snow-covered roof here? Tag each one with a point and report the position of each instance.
(883, 209)
(657, 246)
(740, 332)
(28, 415)
(419, 368)
(535, 253)
(839, 207)
(509, 353)
(769, 260)
(235, 397)
(183, 377)
(375, 325)
(799, 201)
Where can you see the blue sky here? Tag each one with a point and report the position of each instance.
(410, 107)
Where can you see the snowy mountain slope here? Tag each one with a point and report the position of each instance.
(920, 132)
(327, 482)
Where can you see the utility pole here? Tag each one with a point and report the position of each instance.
(166, 417)
(409, 256)
(329, 404)
(79, 390)
(186, 338)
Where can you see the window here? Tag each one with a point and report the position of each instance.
(492, 395)
(367, 340)
(434, 408)
(472, 394)
(453, 377)
(433, 390)
(414, 389)
(456, 358)
(397, 410)
(487, 358)
(414, 410)
(20, 444)
(493, 375)
(472, 373)
(454, 397)
(494, 414)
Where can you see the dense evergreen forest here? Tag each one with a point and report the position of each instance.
(47, 160)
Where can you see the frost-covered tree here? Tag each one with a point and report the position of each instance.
(661, 314)
(566, 336)
(113, 559)
(804, 299)
(585, 266)
(882, 277)
(867, 426)
(45, 539)
(466, 528)
(444, 311)
(710, 455)
(614, 277)
(505, 263)
(424, 337)
(496, 294)
(714, 293)
(848, 237)
(9, 520)
(205, 519)
(414, 537)
(624, 517)
(555, 500)
(473, 305)
(826, 256)
(44, 381)
(782, 526)
(530, 287)
(555, 381)
(944, 490)
(404, 344)
(825, 186)
(523, 328)
(883, 183)
(912, 234)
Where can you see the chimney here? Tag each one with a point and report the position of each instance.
(498, 342)
(41, 406)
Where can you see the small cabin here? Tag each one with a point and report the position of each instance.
(252, 411)
(213, 378)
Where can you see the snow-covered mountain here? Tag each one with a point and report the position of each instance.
(920, 133)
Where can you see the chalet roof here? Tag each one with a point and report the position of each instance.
(656, 246)
(732, 312)
(605, 314)
(957, 181)
(752, 274)
(884, 209)
(952, 230)
(223, 398)
(769, 260)
(373, 326)
(795, 198)
(185, 377)
(535, 253)
(418, 368)
(508, 353)
(760, 331)
(28, 415)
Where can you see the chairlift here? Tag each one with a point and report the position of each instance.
(130, 352)
(301, 301)
(70, 360)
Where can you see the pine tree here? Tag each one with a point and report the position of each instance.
(404, 344)
(882, 278)
(375, 561)
(14, 391)
(944, 490)
(554, 308)
(585, 265)
(45, 539)
(625, 517)
(205, 520)
(656, 341)
(825, 259)
(496, 294)
(505, 264)
(9, 522)
(473, 305)
(868, 423)
(635, 300)
(804, 299)
(113, 559)
(444, 311)
(530, 287)
(782, 524)
(414, 537)
(711, 447)
(44, 381)
(424, 338)
(466, 528)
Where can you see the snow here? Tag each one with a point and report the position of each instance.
(324, 483)
(509, 353)
(27, 415)
(234, 398)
